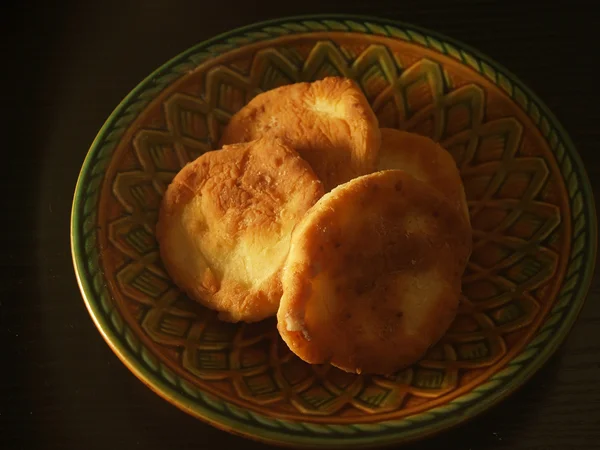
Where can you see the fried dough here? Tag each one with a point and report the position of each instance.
(226, 221)
(425, 160)
(373, 276)
(329, 122)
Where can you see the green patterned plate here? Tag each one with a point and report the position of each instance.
(530, 202)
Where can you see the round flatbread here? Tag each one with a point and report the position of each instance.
(373, 276)
(425, 160)
(226, 221)
(329, 122)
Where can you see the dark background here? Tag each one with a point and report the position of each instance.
(66, 66)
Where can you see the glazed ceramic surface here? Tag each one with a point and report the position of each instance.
(529, 199)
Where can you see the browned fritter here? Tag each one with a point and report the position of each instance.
(373, 276)
(329, 122)
(425, 160)
(226, 221)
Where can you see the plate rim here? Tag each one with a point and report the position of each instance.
(269, 429)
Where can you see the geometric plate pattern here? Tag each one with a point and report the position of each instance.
(528, 197)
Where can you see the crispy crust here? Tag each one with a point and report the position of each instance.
(329, 122)
(226, 221)
(425, 160)
(373, 275)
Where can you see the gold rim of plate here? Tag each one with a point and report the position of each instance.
(520, 169)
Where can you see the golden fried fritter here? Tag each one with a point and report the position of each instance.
(226, 221)
(426, 161)
(329, 122)
(373, 276)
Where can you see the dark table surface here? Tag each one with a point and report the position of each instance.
(68, 65)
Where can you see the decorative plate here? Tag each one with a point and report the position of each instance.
(529, 198)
